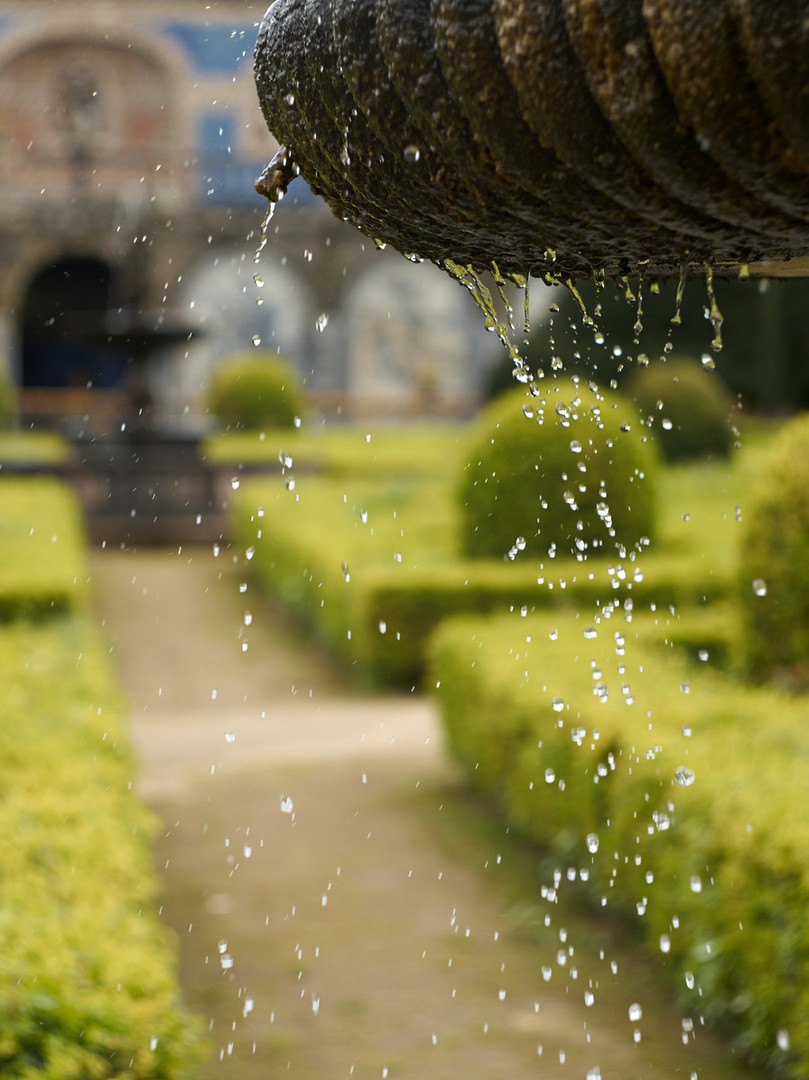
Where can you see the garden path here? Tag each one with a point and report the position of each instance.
(340, 909)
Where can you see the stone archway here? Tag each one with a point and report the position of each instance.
(61, 327)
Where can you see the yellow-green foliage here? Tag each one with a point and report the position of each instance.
(686, 407)
(569, 469)
(256, 391)
(774, 567)
(345, 449)
(41, 543)
(32, 448)
(577, 723)
(300, 540)
(87, 984)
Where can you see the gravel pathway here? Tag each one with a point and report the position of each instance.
(335, 918)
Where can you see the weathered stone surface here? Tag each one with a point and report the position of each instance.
(561, 137)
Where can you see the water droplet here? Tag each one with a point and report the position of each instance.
(226, 960)
(412, 154)
(501, 995)
(383, 626)
(592, 843)
(708, 362)
(346, 574)
(234, 483)
(589, 998)
(589, 632)
(703, 654)
(550, 776)
(153, 1043)
(782, 1038)
(249, 553)
(684, 776)
(690, 981)
(635, 1012)
(322, 322)
(547, 973)
(315, 1004)
(286, 804)
(230, 736)
(256, 339)
(696, 883)
(760, 587)
(665, 943)
(593, 1074)
(557, 704)
(289, 99)
(666, 424)
(247, 851)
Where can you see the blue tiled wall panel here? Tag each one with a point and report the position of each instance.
(214, 49)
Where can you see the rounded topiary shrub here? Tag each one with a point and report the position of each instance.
(774, 562)
(254, 391)
(687, 407)
(570, 470)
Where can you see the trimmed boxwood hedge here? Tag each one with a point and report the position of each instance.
(256, 390)
(303, 543)
(568, 469)
(87, 973)
(687, 407)
(774, 563)
(42, 569)
(579, 727)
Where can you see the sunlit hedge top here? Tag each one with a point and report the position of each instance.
(566, 469)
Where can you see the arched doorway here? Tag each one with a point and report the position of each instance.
(62, 327)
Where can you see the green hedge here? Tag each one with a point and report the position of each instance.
(87, 983)
(256, 390)
(42, 567)
(299, 540)
(716, 869)
(87, 973)
(570, 468)
(774, 564)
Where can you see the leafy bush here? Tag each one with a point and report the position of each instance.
(42, 568)
(348, 556)
(568, 470)
(255, 391)
(677, 806)
(87, 980)
(774, 561)
(8, 399)
(687, 407)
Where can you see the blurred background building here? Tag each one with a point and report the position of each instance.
(128, 227)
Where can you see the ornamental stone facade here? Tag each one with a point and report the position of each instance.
(131, 140)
